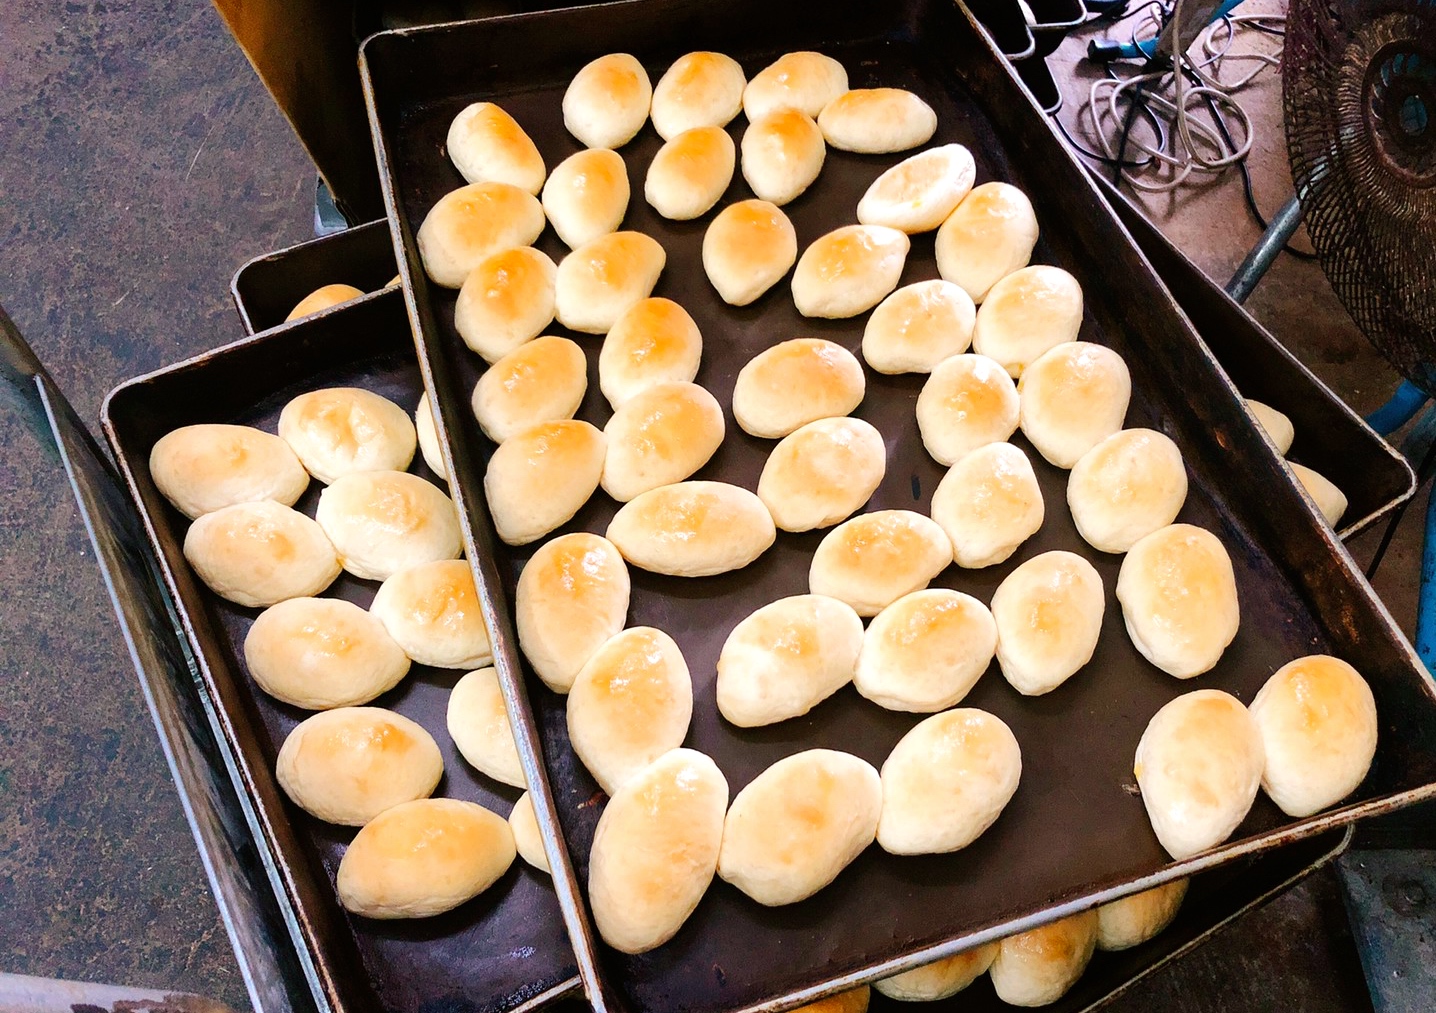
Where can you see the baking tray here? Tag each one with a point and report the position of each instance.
(506, 950)
(1075, 835)
(268, 287)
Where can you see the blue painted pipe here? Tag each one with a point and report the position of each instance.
(1107, 49)
(1426, 603)
(1399, 410)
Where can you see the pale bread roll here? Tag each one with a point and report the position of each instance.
(607, 101)
(527, 839)
(690, 173)
(320, 653)
(946, 781)
(478, 723)
(989, 235)
(432, 611)
(348, 765)
(505, 301)
(796, 382)
(876, 121)
(1049, 615)
(487, 145)
(1330, 501)
(803, 80)
(968, 402)
(925, 651)
(874, 559)
(920, 192)
(321, 299)
(1134, 920)
(918, 326)
(204, 468)
(849, 270)
(786, 658)
(988, 504)
(1318, 725)
(854, 1000)
(941, 979)
(699, 90)
(1126, 487)
(428, 436)
(1030, 311)
(654, 341)
(747, 249)
(1179, 599)
(822, 473)
(783, 153)
(1199, 765)
(1073, 397)
(543, 380)
(798, 824)
(382, 522)
(659, 437)
(693, 529)
(423, 858)
(1039, 967)
(601, 279)
(340, 430)
(258, 554)
(541, 476)
(586, 196)
(471, 224)
(572, 597)
(1275, 424)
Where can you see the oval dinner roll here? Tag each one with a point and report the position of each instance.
(941, 979)
(1073, 397)
(1179, 599)
(340, 430)
(822, 473)
(1027, 313)
(607, 101)
(257, 554)
(1039, 967)
(690, 173)
(424, 858)
(875, 121)
(849, 270)
(543, 380)
(1049, 616)
(656, 849)
(471, 224)
(699, 90)
(804, 81)
(796, 382)
(783, 153)
(988, 504)
(348, 765)
(968, 402)
(919, 326)
(925, 651)
(693, 529)
(321, 299)
(874, 559)
(432, 611)
(540, 477)
(479, 725)
(1199, 764)
(486, 144)
(382, 522)
(855, 1000)
(428, 436)
(601, 279)
(319, 653)
(506, 300)
(586, 196)
(1126, 487)
(798, 824)
(654, 341)
(1275, 424)
(946, 781)
(572, 596)
(786, 658)
(527, 838)
(747, 249)
(1133, 920)
(204, 468)
(659, 437)
(989, 235)
(1318, 724)
(1330, 501)
(919, 193)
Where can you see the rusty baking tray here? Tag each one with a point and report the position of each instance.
(505, 951)
(1074, 835)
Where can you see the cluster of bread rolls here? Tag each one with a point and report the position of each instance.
(1330, 501)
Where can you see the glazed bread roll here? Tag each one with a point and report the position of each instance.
(919, 193)
(586, 196)
(478, 723)
(925, 651)
(258, 554)
(1275, 424)
(747, 249)
(1318, 725)
(543, 380)
(693, 529)
(1199, 764)
(849, 271)
(783, 153)
(471, 224)
(348, 765)
(699, 90)
(796, 382)
(320, 653)
(1134, 920)
(822, 473)
(659, 437)
(786, 658)
(540, 477)
(988, 504)
(1049, 616)
(989, 235)
(428, 436)
(572, 596)
(527, 839)
(690, 173)
(1330, 501)
(1179, 599)
(946, 781)
(656, 849)
(382, 522)
(1026, 313)
(204, 468)
(423, 858)
(654, 341)
(968, 402)
(1073, 397)
(340, 430)
(798, 824)
(601, 279)
(1039, 967)
(607, 101)
(506, 300)
(941, 979)
(874, 559)
(875, 121)
(321, 299)
(852, 1001)
(919, 326)
(432, 611)
(1126, 487)
(804, 81)
(487, 145)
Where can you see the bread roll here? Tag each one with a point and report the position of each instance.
(1027, 313)
(874, 559)
(796, 382)
(1049, 616)
(693, 529)
(319, 653)
(786, 658)
(920, 192)
(699, 90)
(804, 81)
(798, 824)
(1275, 424)
(540, 477)
(1073, 397)
(941, 979)
(1134, 920)
(1199, 764)
(747, 249)
(204, 468)
(429, 438)
(541, 381)
(659, 437)
(607, 101)
(822, 473)
(321, 299)
(478, 723)
(1179, 599)
(527, 838)
(505, 301)
(654, 341)
(989, 235)
(340, 430)
(925, 651)
(855, 1000)
(783, 153)
(424, 858)
(601, 279)
(1126, 487)
(968, 402)
(849, 270)
(586, 196)
(572, 596)
(656, 849)
(396, 280)
(471, 224)
(432, 611)
(1318, 725)
(487, 145)
(946, 781)
(1039, 967)
(917, 327)
(875, 121)
(382, 522)
(690, 173)
(257, 554)
(1330, 501)
(348, 765)
(988, 504)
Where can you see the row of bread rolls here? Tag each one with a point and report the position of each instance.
(1329, 499)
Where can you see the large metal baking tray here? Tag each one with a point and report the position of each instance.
(1075, 835)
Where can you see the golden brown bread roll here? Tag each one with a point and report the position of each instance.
(339, 430)
(854, 1000)
(1073, 397)
(258, 554)
(1133, 920)
(989, 235)
(319, 653)
(1049, 615)
(747, 249)
(1330, 501)
(541, 476)
(918, 326)
(601, 279)
(783, 153)
(382, 522)
(1039, 967)
(658, 437)
(1031, 310)
(804, 80)
(204, 468)
(1179, 599)
(940, 979)
(796, 382)
(925, 651)
(849, 270)
(432, 611)
(988, 504)
(586, 196)
(506, 300)
(471, 224)
(919, 193)
(572, 597)
(699, 90)
(1126, 487)
(428, 436)
(1275, 424)
(822, 473)
(968, 402)
(486, 145)
(690, 173)
(321, 299)
(607, 101)
(693, 529)
(654, 341)
(527, 839)
(877, 120)
(478, 723)
(543, 380)
(874, 559)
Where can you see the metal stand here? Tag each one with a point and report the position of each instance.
(1272, 242)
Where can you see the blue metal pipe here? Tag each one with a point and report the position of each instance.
(1399, 410)
(1426, 603)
